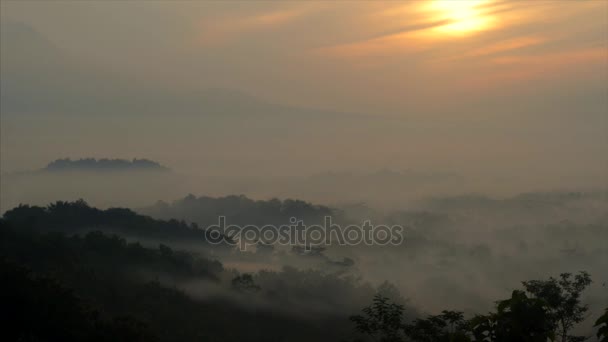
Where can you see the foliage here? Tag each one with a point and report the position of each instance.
(602, 325)
(240, 210)
(382, 320)
(563, 299)
(520, 318)
(449, 326)
(78, 217)
(547, 309)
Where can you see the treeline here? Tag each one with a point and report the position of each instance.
(240, 210)
(79, 217)
(543, 310)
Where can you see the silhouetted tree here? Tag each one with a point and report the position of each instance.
(602, 325)
(563, 299)
(449, 326)
(382, 320)
(520, 318)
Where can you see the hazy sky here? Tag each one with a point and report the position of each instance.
(516, 88)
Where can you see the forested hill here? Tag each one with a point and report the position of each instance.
(79, 217)
(162, 220)
(239, 210)
(99, 287)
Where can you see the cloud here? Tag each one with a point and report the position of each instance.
(505, 46)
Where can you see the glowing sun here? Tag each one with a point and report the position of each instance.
(462, 16)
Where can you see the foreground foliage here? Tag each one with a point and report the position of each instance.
(546, 310)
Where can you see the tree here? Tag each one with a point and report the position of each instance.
(449, 326)
(602, 324)
(520, 318)
(563, 299)
(382, 320)
(391, 292)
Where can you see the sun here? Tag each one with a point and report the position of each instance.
(462, 17)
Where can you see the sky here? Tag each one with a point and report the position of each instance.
(510, 90)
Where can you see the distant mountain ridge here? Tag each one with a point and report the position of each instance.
(104, 164)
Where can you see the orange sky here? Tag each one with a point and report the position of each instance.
(478, 83)
(316, 53)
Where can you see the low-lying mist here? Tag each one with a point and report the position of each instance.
(460, 251)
